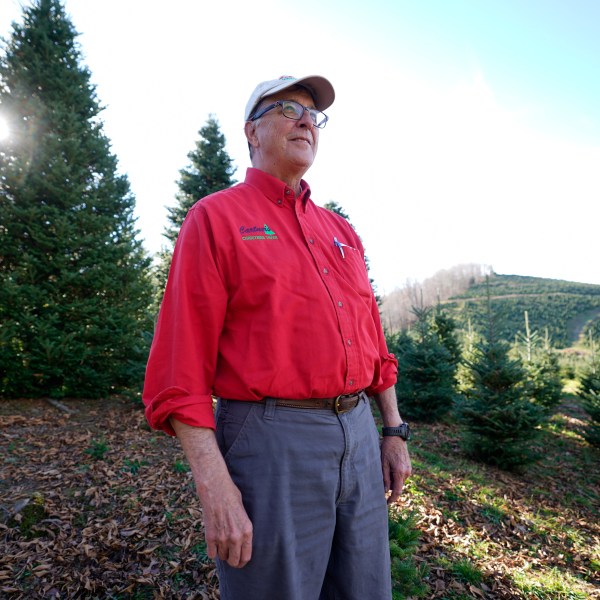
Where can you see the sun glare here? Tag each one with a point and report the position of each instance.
(4, 131)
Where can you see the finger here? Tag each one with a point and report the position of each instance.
(211, 550)
(240, 552)
(233, 559)
(387, 484)
(393, 497)
(396, 489)
(239, 556)
(223, 551)
(246, 554)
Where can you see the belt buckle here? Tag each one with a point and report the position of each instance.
(336, 406)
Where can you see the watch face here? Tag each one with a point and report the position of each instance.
(405, 431)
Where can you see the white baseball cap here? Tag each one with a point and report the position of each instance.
(318, 87)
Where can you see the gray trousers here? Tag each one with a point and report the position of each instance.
(312, 485)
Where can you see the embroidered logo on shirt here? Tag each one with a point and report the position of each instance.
(257, 233)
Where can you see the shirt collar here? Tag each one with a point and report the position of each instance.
(276, 190)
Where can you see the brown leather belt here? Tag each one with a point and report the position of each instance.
(339, 404)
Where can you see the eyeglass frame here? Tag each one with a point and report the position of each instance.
(307, 109)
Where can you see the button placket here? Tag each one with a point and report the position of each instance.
(347, 331)
(346, 328)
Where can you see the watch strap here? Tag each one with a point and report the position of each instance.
(402, 431)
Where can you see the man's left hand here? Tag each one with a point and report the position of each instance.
(396, 466)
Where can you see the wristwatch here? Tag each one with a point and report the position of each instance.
(402, 431)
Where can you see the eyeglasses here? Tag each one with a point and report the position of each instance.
(294, 110)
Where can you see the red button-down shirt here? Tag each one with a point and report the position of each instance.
(268, 296)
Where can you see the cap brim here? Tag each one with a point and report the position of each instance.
(318, 87)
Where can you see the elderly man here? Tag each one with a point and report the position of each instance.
(269, 308)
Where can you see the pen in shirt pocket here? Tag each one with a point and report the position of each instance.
(341, 246)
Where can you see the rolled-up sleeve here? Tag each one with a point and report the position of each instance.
(388, 371)
(181, 365)
(388, 375)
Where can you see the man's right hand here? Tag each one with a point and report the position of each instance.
(228, 529)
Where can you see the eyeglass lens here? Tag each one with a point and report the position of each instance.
(295, 110)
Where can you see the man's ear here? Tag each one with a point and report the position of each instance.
(250, 131)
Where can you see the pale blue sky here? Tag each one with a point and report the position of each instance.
(539, 53)
(463, 130)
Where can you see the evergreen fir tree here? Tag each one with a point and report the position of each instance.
(589, 392)
(541, 365)
(464, 376)
(408, 577)
(210, 170)
(499, 419)
(426, 371)
(445, 327)
(74, 289)
(338, 210)
(399, 342)
(545, 385)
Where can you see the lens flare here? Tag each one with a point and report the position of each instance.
(4, 130)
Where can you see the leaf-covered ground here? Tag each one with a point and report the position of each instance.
(95, 505)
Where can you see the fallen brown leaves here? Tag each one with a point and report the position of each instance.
(543, 522)
(117, 514)
(121, 518)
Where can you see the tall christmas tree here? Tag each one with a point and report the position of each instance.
(210, 170)
(74, 287)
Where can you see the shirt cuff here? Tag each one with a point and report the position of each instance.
(194, 410)
(387, 376)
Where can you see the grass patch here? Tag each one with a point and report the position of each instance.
(549, 584)
(180, 466)
(464, 570)
(97, 449)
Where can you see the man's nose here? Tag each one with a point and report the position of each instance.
(306, 119)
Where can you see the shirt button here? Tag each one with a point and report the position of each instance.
(351, 382)
(288, 192)
(279, 201)
(311, 241)
(326, 271)
(349, 342)
(340, 304)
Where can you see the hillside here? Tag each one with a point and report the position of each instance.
(506, 285)
(565, 310)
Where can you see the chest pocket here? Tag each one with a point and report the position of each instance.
(352, 268)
